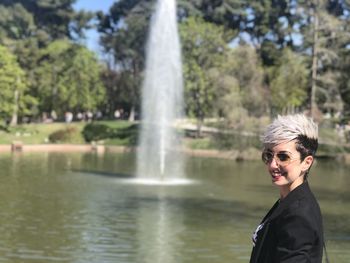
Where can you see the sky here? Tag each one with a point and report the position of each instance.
(93, 5)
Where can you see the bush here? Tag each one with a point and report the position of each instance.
(96, 132)
(202, 143)
(67, 135)
(226, 141)
(4, 128)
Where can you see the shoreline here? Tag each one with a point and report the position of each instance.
(19, 147)
(250, 154)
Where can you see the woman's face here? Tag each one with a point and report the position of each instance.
(285, 166)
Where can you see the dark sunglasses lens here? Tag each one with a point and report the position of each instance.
(283, 157)
(267, 157)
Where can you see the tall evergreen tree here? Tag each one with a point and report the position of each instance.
(324, 34)
(53, 19)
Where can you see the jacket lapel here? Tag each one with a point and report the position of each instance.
(290, 198)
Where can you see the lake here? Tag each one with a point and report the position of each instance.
(78, 207)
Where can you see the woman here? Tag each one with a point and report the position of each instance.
(292, 230)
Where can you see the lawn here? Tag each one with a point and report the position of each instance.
(39, 133)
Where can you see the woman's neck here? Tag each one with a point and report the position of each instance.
(286, 189)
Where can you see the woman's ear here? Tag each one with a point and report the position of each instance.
(307, 163)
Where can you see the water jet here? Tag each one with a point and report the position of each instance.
(158, 156)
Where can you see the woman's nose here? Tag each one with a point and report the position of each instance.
(274, 163)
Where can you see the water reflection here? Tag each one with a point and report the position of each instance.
(74, 208)
(157, 232)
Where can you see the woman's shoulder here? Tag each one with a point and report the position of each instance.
(304, 210)
(306, 204)
(301, 201)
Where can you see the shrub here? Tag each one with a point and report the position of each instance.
(96, 132)
(67, 135)
(239, 141)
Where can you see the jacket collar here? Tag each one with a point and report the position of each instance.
(296, 194)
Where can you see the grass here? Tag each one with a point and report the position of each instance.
(200, 144)
(33, 133)
(38, 133)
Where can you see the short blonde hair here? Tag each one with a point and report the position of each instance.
(290, 127)
(296, 127)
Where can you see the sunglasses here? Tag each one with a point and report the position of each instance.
(282, 158)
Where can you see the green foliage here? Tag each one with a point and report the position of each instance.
(53, 19)
(268, 20)
(86, 90)
(344, 82)
(244, 65)
(13, 97)
(203, 42)
(105, 131)
(204, 49)
(228, 13)
(199, 93)
(28, 26)
(238, 141)
(68, 135)
(122, 90)
(241, 135)
(289, 82)
(16, 23)
(255, 79)
(123, 36)
(201, 143)
(96, 132)
(68, 79)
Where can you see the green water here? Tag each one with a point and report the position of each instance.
(83, 208)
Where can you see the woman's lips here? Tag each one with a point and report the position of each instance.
(276, 176)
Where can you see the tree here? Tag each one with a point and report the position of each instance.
(325, 34)
(13, 97)
(86, 91)
(241, 93)
(18, 33)
(271, 21)
(204, 49)
(16, 23)
(124, 35)
(314, 28)
(26, 27)
(229, 100)
(245, 66)
(227, 13)
(289, 81)
(53, 19)
(68, 78)
(344, 82)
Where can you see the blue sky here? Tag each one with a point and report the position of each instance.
(93, 5)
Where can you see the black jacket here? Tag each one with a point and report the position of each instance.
(292, 230)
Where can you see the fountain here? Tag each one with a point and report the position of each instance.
(159, 158)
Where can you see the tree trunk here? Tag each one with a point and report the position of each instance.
(14, 118)
(313, 103)
(132, 114)
(200, 122)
